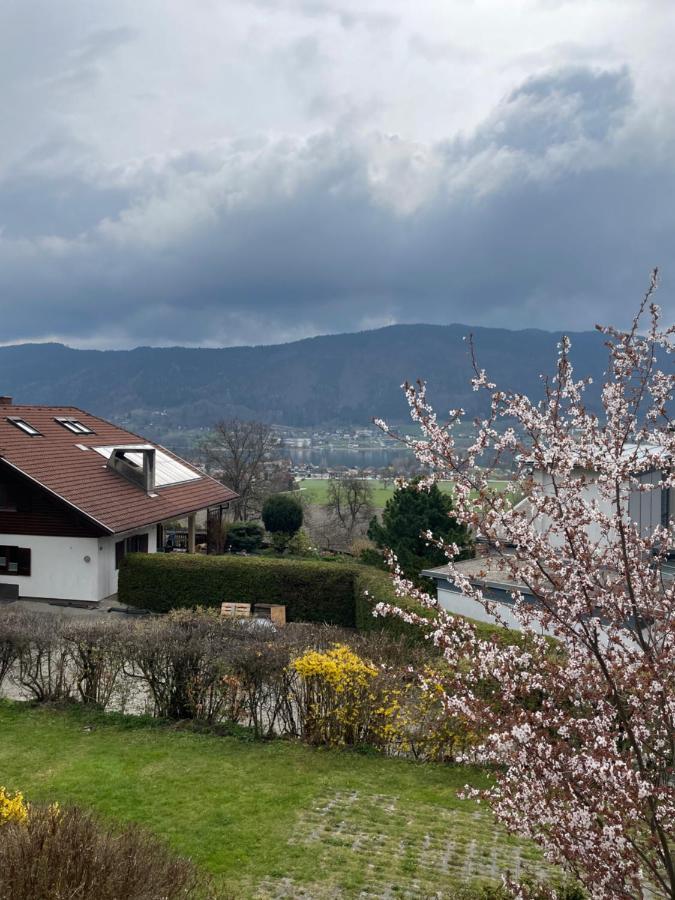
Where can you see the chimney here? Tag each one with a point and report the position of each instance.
(143, 475)
(5, 401)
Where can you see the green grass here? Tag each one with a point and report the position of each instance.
(315, 490)
(270, 820)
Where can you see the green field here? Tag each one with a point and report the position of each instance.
(315, 490)
(269, 820)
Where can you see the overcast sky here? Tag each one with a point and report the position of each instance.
(219, 172)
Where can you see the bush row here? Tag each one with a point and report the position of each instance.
(335, 593)
(319, 683)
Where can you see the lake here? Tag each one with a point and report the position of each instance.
(329, 457)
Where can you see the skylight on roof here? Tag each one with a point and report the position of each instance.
(167, 470)
(23, 425)
(73, 425)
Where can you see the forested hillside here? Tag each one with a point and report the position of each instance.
(336, 379)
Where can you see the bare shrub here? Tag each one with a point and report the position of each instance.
(183, 658)
(9, 642)
(59, 854)
(260, 659)
(43, 657)
(97, 657)
(195, 665)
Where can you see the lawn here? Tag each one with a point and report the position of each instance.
(270, 820)
(315, 490)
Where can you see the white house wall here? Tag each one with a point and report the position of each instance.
(590, 494)
(644, 507)
(461, 605)
(59, 567)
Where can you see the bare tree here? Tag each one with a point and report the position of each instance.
(350, 504)
(244, 456)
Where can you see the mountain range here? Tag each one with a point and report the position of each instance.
(341, 379)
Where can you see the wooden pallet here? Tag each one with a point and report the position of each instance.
(236, 610)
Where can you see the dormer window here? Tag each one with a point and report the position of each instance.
(23, 425)
(73, 425)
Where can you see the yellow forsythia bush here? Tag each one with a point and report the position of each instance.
(413, 721)
(336, 701)
(346, 700)
(13, 808)
(340, 667)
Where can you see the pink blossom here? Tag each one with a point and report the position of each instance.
(580, 736)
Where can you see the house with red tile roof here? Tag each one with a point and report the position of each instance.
(77, 493)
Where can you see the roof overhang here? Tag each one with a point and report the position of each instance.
(173, 515)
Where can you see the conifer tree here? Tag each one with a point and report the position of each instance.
(407, 516)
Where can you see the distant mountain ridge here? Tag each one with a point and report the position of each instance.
(340, 379)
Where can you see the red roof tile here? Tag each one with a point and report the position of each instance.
(81, 477)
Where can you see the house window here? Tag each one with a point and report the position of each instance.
(14, 560)
(7, 503)
(137, 543)
(23, 425)
(74, 425)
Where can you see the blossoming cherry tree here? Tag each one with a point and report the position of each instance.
(580, 732)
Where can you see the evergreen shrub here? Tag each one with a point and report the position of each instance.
(282, 514)
(245, 536)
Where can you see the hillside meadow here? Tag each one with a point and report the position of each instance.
(315, 490)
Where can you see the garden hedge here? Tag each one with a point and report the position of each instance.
(312, 590)
(373, 586)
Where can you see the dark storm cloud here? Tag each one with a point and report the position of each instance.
(550, 214)
(557, 108)
(58, 205)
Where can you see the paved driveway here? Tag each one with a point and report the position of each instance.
(105, 608)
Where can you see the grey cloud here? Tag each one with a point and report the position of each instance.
(84, 65)
(558, 108)
(261, 241)
(63, 206)
(442, 51)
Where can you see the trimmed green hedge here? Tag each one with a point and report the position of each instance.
(379, 588)
(313, 591)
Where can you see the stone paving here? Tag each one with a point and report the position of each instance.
(391, 851)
